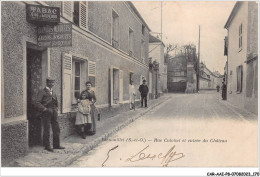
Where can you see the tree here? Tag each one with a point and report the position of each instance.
(169, 48)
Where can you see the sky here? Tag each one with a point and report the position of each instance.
(181, 21)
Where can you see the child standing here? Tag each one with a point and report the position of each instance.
(83, 115)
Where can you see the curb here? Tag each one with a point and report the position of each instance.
(103, 137)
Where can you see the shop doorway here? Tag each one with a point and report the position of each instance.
(36, 74)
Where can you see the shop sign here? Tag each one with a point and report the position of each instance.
(42, 14)
(55, 36)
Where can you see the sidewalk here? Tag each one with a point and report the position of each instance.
(76, 146)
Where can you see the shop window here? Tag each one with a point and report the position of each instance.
(115, 29)
(239, 78)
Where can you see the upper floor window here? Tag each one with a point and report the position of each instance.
(76, 12)
(131, 42)
(142, 50)
(143, 29)
(115, 29)
(240, 36)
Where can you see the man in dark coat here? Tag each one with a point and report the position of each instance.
(144, 90)
(47, 105)
(224, 91)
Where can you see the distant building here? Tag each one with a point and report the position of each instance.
(177, 74)
(209, 80)
(242, 55)
(182, 71)
(156, 53)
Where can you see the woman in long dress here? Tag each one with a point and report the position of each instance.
(90, 128)
(132, 95)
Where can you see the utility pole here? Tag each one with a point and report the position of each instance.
(157, 64)
(198, 72)
(161, 22)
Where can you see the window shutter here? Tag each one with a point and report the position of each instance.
(121, 86)
(92, 73)
(66, 82)
(83, 15)
(111, 85)
(67, 10)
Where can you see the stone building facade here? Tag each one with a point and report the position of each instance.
(208, 79)
(156, 53)
(242, 56)
(109, 47)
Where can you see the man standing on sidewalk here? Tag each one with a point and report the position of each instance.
(47, 105)
(144, 90)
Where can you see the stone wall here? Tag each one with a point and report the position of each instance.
(14, 141)
(14, 29)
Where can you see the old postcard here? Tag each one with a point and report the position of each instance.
(129, 84)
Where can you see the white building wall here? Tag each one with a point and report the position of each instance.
(237, 56)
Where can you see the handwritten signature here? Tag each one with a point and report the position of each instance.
(103, 164)
(166, 158)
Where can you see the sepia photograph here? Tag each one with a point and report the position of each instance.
(130, 84)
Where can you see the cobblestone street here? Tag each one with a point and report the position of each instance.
(195, 130)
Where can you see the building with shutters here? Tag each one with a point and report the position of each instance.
(241, 49)
(109, 48)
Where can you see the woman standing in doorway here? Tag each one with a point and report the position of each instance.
(90, 128)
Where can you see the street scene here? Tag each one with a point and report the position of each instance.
(129, 84)
(228, 131)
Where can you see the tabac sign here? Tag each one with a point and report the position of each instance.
(55, 36)
(42, 14)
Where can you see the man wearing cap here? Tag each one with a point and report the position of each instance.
(47, 104)
(144, 91)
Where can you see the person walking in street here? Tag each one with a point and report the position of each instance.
(47, 104)
(144, 90)
(224, 91)
(132, 95)
(218, 88)
(90, 127)
(83, 116)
